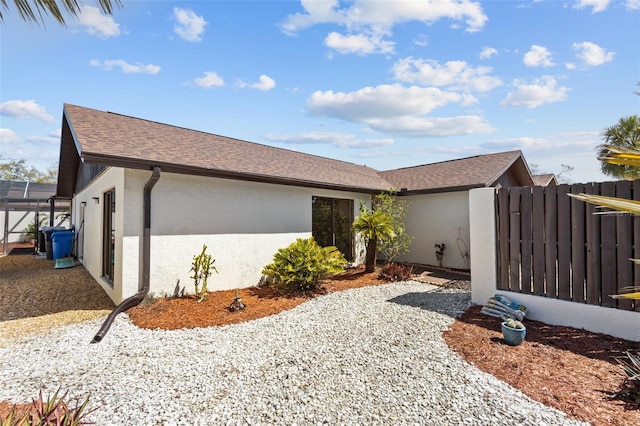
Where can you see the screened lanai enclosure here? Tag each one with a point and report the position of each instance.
(26, 207)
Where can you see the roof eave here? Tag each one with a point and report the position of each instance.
(114, 161)
(458, 188)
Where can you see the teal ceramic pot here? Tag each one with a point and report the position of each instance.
(513, 336)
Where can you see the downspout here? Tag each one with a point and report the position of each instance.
(134, 300)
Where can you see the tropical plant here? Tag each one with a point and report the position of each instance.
(631, 385)
(392, 248)
(202, 268)
(624, 135)
(28, 9)
(374, 226)
(303, 264)
(54, 411)
(393, 271)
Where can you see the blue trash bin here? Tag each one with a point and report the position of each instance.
(48, 231)
(62, 242)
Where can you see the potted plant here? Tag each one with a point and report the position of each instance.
(514, 332)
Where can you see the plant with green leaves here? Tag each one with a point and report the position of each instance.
(52, 411)
(623, 136)
(388, 203)
(202, 268)
(303, 264)
(373, 226)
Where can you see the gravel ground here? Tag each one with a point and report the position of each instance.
(370, 356)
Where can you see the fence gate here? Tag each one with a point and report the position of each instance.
(552, 245)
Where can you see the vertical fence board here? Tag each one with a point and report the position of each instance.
(526, 239)
(552, 245)
(635, 188)
(578, 252)
(624, 246)
(514, 239)
(503, 238)
(564, 243)
(594, 281)
(538, 241)
(608, 250)
(551, 240)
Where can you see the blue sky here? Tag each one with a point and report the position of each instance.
(387, 83)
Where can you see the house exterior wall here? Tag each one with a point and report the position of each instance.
(434, 219)
(89, 218)
(548, 310)
(242, 223)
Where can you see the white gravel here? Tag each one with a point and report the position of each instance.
(367, 356)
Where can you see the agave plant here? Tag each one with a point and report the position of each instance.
(626, 157)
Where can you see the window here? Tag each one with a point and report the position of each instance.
(331, 223)
(108, 234)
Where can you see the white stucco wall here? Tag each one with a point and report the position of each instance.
(92, 227)
(597, 319)
(434, 219)
(243, 224)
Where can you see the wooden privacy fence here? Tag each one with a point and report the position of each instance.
(552, 245)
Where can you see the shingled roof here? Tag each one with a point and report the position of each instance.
(547, 179)
(111, 139)
(461, 174)
(107, 139)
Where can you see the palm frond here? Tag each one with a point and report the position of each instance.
(620, 204)
(33, 10)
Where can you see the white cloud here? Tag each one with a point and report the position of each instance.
(595, 5)
(432, 127)
(384, 101)
(384, 14)
(210, 79)
(538, 56)
(338, 140)
(542, 91)
(398, 110)
(452, 74)
(8, 136)
(591, 54)
(422, 40)
(632, 4)
(190, 26)
(126, 67)
(359, 43)
(24, 109)
(98, 24)
(264, 84)
(487, 52)
(570, 66)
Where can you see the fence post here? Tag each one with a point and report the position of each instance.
(482, 226)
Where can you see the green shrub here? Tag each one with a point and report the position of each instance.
(202, 268)
(53, 411)
(303, 264)
(392, 271)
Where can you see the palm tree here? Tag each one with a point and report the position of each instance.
(373, 226)
(28, 8)
(625, 134)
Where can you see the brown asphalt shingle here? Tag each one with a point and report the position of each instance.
(103, 134)
(478, 171)
(118, 140)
